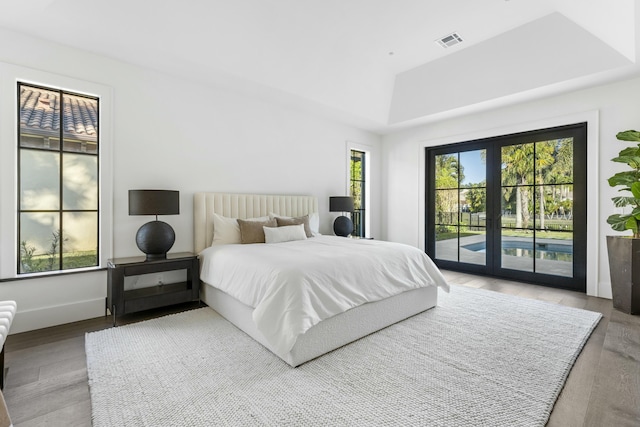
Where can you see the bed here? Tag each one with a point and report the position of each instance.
(327, 332)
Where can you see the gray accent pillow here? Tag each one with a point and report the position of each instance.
(282, 222)
(252, 232)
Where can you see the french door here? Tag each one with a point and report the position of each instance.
(511, 206)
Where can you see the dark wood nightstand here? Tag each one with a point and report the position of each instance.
(122, 302)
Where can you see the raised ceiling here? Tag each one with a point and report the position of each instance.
(371, 63)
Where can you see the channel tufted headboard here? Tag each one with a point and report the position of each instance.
(242, 206)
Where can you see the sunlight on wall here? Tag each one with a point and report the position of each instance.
(80, 185)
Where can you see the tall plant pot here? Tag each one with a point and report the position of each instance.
(624, 266)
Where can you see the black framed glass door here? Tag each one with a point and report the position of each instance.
(511, 206)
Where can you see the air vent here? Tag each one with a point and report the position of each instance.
(449, 40)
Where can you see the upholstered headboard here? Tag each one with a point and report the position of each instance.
(242, 206)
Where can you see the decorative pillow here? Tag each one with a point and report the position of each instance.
(304, 220)
(227, 231)
(314, 222)
(286, 233)
(252, 232)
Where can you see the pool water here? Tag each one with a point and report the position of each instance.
(520, 248)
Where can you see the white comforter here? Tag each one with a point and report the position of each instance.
(295, 285)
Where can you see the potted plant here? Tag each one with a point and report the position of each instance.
(624, 251)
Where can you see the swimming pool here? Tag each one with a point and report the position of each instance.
(524, 248)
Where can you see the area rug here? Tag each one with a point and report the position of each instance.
(479, 358)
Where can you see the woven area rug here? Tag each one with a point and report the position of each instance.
(479, 358)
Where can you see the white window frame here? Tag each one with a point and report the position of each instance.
(10, 75)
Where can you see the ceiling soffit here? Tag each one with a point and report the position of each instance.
(547, 51)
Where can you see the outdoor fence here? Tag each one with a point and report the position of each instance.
(478, 221)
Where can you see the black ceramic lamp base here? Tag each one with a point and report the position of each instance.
(155, 238)
(343, 226)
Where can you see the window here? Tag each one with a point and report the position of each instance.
(58, 180)
(357, 190)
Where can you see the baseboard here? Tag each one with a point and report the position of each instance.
(29, 320)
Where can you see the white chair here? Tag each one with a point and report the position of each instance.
(7, 313)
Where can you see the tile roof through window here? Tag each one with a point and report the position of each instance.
(40, 114)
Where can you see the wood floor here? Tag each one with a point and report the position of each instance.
(46, 382)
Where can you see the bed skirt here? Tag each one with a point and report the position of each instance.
(331, 333)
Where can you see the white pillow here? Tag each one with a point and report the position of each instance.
(314, 221)
(287, 233)
(227, 231)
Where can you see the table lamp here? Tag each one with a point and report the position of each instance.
(342, 226)
(154, 238)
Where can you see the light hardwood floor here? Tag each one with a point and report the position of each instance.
(46, 383)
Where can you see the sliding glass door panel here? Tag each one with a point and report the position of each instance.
(459, 202)
(512, 206)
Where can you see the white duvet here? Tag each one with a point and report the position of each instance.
(294, 285)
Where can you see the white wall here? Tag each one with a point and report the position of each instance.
(171, 133)
(608, 109)
(195, 139)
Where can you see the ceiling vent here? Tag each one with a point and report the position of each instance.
(449, 40)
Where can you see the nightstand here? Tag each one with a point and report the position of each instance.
(122, 302)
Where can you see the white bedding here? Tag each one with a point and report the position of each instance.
(295, 285)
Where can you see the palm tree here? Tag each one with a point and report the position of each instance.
(448, 175)
(562, 169)
(545, 158)
(517, 168)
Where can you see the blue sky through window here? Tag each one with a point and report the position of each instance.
(474, 167)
